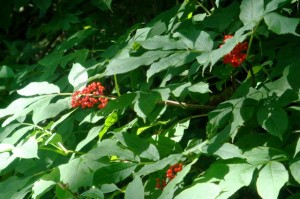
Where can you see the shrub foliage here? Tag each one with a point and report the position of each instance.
(202, 101)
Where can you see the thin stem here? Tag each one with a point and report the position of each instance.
(117, 85)
(204, 8)
(248, 52)
(193, 117)
(185, 105)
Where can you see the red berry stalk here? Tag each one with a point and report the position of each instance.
(90, 96)
(237, 55)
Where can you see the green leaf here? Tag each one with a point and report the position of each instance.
(93, 193)
(45, 183)
(251, 11)
(139, 146)
(262, 155)
(6, 147)
(111, 148)
(297, 148)
(51, 110)
(145, 103)
(103, 4)
(109, 121)
(18, 134)
(6, 72)
(93, 133)
(27, 149)
(43, 5)
(19, 113)
(9, 186)
(135, 189)
(294, 168)
(228, 151)
(79, 172)
(123, 65)
(204, 43)
(163, 42)
(180, 89)
(159, 165)
(200, 190)
(38, 88)
(281, 24)
(174, 60)
(176, 131)
(5, 160)
(6, 131)
(238, 176)
(271, 179)
(40, 187)
(200, 87)
(274, 120)
(78, 76)
(273, 5)
(114, 172)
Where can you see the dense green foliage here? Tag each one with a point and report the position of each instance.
(171, 99)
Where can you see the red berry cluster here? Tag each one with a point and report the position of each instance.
(89, 97)
(237, 55)
(170, 174)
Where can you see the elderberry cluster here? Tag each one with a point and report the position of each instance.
(89, 97)
(170, 174)
(237, 55)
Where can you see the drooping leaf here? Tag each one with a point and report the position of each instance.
(135, 189)
(78, 76)
(271, 179)
(281, 24)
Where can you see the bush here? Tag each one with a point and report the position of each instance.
(200, 102)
